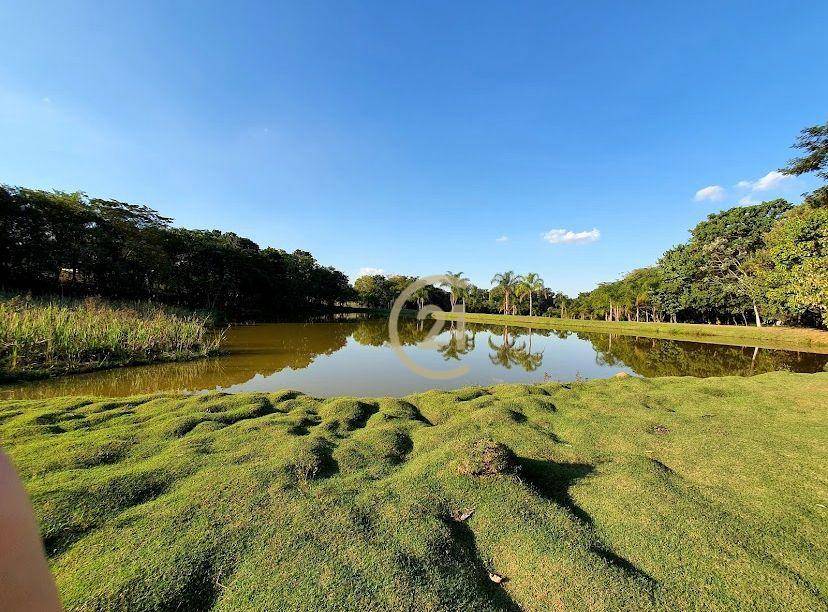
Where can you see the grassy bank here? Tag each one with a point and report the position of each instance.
(666, 493)
(793, 338)
(41, 337)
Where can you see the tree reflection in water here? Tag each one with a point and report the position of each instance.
(509, 353)
(650, 357)
(461, 342)
(272, 355)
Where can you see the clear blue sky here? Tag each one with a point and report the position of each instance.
(411, 136)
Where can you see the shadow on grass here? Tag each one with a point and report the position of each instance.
(465, 544)
(121, 493)
(552, 481)
(201, 591)
(367, 410)
(621, 563)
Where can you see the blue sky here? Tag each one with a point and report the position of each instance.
(410, 137)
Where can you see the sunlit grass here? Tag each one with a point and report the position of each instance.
(618, 494)
(54, 336)
(794, 338)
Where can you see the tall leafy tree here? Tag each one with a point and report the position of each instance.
(375, 291)
(505, 284)
(69, 243)
(531, 285)
(793, 268)
(721, 258)
(814, 142)
(457, 286)
(794, 264)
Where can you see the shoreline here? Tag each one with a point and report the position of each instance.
(785, 338)
(600, 490)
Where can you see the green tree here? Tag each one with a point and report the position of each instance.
(374, 291)
(814, 141)
(477, 299)
(505, 285)
(713, 275)
(457, 285)
(734, 267)
(793, 267)
(530, 285)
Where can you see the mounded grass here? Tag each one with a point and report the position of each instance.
(626, 493)
(43, 337)
(812, 340)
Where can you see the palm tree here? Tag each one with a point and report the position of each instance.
(532, 283)
(506, 283)
(457, 287)
(421, 295)
(521, 292)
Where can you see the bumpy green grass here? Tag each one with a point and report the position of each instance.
(795, 338)
(667, 493)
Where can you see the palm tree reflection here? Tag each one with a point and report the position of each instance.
(510, 353)
(461, 341)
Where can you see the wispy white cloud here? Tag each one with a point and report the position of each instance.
(564, 236)
(714, 193)
(368, 271)
(747, 201)
(502, 239)
(771, 180)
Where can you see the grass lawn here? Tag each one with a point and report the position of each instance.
(665, 493)
(793, 338)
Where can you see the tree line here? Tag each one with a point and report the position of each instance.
(511, 293)
(68, 243)
(756, 264)
(749, 264)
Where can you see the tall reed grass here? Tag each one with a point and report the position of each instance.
(56, 336)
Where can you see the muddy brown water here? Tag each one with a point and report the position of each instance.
(354, 357)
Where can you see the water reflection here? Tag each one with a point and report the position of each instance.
(353, 357)
(461, 341)
(509, 352)
(649, 357)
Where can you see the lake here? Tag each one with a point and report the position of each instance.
(354, 357)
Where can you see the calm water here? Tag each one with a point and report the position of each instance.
(353, 357)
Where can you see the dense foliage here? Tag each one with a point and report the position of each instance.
(512, 294)
(767, 262)
(378, 291)
(54, 242)
(793, 267)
